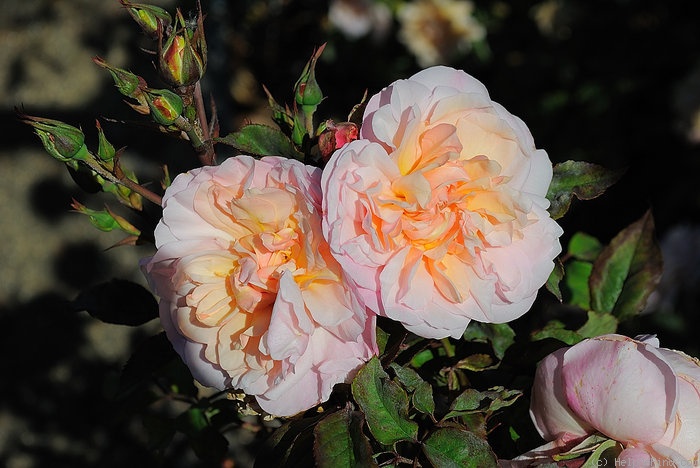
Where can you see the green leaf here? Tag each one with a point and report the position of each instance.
(339, 441)
(261, 140)
(475, 362)
(604, 455)
(500, 335)
(421, 358)
(598, 324)
(627, 270)
(408, 377)
(501, 398)
(423, 398)
(576, 287)
(207, 442)
(150, 356)
(382, 340)
(585, 247)
(580, 179)
(422, 390)
(384, 403)
(555, 329)
(452, 447)
(119, 302)
(468, 400)
(554, 279)
(290, 445)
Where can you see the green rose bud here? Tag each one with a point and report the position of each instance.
(307, 93)
(152, 19)
(105, 150)
(165, 105)
(105, 220)
(307, 96)
(62, 141)
(126, 82)
(183, 58)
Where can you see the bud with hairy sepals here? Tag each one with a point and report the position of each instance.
(152, 19)
(182, 59)
(62, 141)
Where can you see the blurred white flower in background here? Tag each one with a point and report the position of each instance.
(358, 18)
(437, 30)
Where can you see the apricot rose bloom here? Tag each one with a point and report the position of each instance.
(645, 397)
(437, 213)
(250, 296)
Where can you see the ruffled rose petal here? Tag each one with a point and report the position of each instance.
(621, 387)
(549, 409)
(250, 296)
(437, 215)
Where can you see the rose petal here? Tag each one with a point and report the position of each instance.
(609, 381)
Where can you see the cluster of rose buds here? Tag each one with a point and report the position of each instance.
(181, 62)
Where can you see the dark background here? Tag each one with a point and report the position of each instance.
(611, 82)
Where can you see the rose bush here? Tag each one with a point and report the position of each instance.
(250, 296)
(646, 397)
(438, 212)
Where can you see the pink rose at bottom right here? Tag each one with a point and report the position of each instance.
(630, 390)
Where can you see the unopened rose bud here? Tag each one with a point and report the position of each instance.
(307, 92)
(105, 150)
(62, 141)
(151, 19)
(123, 194)
(165, 105)
(105, 220)
(183, 58)
(126, 82)
(335, 136)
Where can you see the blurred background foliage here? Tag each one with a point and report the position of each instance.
(612, 82)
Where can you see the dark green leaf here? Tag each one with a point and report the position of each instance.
(261, 140)
(151, 356)
(451, 447)
(423, 398)
(501, 398)
(291, 445)
(468, 400)
(382, 340)
(488, 401)
(598, 323)
(384, 403)
(585, 247)
(580, 179)
(604, 455)
(118, 301)
(576, 287)
(555, 329)
(207, 442)
(475, 362)
(627, 271)
(554, 279)
(408, 377)
(422, 390)
(500, 335)
(339, 441)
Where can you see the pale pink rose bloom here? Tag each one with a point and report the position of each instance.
(645, 397)
(250, 296)
(550, 412)
(438, 212)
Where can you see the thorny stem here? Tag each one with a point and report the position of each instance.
(207, 156)
(125, 181)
